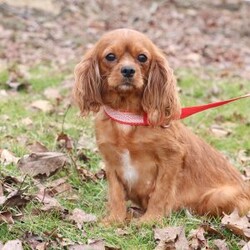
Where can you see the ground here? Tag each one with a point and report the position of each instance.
(207, 44)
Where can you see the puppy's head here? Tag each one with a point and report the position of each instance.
(124, 62)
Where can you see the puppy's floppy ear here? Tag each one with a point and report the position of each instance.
(87, 88)
(160, 98)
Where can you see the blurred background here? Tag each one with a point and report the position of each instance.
(211, 35)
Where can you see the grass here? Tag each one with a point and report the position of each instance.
(15, 135)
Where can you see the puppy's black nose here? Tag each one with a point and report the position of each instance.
(127, 71)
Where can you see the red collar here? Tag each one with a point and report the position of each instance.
(141, 120)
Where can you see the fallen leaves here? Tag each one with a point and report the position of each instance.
(42, 163)
(13, 195)
(174, 237)
(92, 245)
(13, 244)
(16, 198)
(37, 147)
(171, 238)
(80, 217)
(6, 217)
(59, 186)
(221, 244)
(220, 131)
(52, 94)
(197, 239)
(34, 241)
(6, 157)
(238, 225)
(49, 202)
(42, 105)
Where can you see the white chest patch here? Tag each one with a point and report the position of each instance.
(129, 172)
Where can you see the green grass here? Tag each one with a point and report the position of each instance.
(15, 136)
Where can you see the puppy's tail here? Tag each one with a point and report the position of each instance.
(224, 200)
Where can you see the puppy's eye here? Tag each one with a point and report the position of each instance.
(110, 57)
(142, 58)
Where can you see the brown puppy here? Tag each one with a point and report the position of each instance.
(160, 169)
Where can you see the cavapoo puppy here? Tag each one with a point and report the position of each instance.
(151, 158)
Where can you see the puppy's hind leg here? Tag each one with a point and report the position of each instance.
(224, 199)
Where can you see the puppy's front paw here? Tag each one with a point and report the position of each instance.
(113, 220)
(149, 219)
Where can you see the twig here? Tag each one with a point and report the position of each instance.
(64, 116)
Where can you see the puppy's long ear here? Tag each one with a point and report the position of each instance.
(160, 99)
(87, 88)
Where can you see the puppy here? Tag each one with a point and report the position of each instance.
(161, 165)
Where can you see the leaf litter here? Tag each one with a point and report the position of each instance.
(80, 217)
(42, 163)
(171, 238)
(197, 239)
(13, 245)
(239, 225)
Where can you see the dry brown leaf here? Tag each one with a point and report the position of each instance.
(49, 203)
(211, 230)
(4, 117)
(246, 246)
(6, 217)
(45, 163)
(65, 141)
(13, 245)
(243, 157)
(87, 142)
(238, 225)
(43, 105)
(59, 186)
(27, 122)
(52, 94)
(37, 147)
(46, 5)
(42, 246)
(197, 239)
(171, 238)
(94, 245)
(221, 244)
(6, 157)
(86, 175)
(121, 232)
(195, 57)
(2, 200)
(220, 131)
(33, 240)
(16, 199)
(80, 217)
(3, 93)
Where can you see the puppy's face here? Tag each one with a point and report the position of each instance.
(124, 60)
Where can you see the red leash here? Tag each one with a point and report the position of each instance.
(141, 120)
(185, 112)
